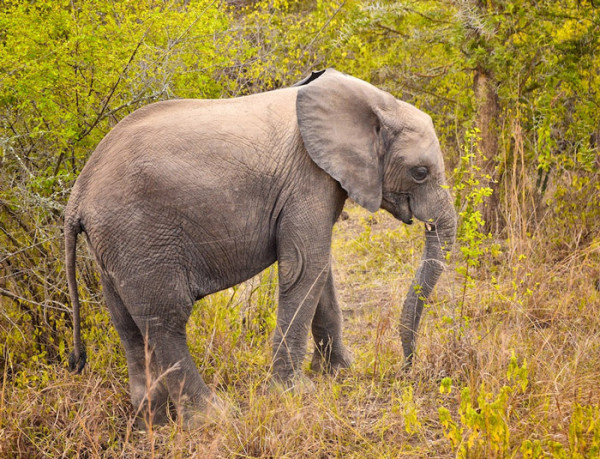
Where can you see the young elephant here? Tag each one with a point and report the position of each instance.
(188, 197)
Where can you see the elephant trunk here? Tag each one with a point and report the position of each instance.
(439, 239)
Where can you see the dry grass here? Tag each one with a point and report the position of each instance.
(513, 356)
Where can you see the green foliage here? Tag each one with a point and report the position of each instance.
(484, 426)
(540, 62)
(483, 429)
(412, 425)
(66, 83)
(281, 40)
(70, 72)
(470, 192)
(584, 431)
(583, 434)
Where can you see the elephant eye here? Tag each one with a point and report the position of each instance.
(419, 173)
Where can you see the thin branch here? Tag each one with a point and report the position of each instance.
(100, 115)
(320, 31)
(389, 29)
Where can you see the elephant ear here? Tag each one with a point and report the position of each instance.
(339, 121)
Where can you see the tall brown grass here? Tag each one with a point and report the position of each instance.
(525, 308)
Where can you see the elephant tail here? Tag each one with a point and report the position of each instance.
(77, 358)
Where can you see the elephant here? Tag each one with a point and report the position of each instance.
(187, 197)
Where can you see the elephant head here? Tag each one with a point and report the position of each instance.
(385, 154)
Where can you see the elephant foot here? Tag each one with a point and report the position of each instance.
(212, 410)
(332, 362)
(159, 416)
(153, 412)
(145, 422)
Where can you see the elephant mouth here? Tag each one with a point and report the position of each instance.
(398, 204)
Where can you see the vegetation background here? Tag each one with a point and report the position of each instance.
(509, 349)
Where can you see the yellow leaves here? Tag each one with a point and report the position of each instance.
(518, 374)
(412, 425)
(483, 429)
(572, 29)
(446, 386)
(519, 38)
(584, 431)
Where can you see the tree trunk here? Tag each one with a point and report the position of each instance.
(488, 112)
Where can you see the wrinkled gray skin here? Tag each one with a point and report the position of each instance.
(188, 197)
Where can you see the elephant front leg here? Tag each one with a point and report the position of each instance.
(330, 354)
(301, 282)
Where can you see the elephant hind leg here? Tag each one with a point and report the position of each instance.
(149, 395)
(188, 391)
(165, 330)
(330, 354)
